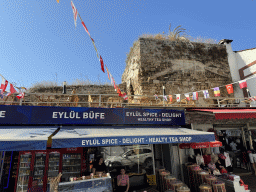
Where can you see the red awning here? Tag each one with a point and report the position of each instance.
(230, 113)
(185, 145)
(200, 145)
(215, 144)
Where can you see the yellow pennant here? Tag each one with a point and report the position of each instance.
(58, 1)
(95, 49)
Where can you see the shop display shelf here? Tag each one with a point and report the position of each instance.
(70, 172)
(72, 158)
(22, 175)
(70, 165)
(39, 166)
(24, 167)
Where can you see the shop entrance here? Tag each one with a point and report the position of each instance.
(235, 143)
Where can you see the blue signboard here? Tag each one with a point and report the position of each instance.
(84, 115)
(136, 136)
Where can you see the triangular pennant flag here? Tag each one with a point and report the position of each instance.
(216, 91)
(156, 97)
(165, 98)
(170, 97)
(21, 88)
(102, 64)
(4, 84)
(253, 98)
(206, 94)
(21, 95)
(178, 97)
(195, 96)
(12, 90)
(95, 48)
(119, 92)
(58, 1)
(242, 84)
(107, 72)
(187, 96)
(112, 83)
(74, 12)
(229, 88)
(124, 96)
(86, 29)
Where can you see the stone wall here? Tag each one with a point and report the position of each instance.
(82, 89)
(179, 66)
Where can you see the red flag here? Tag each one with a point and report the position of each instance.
(124, 96)
(102, 64)
(242, 84)
(86, 29)
(74, 12)
(4, 84)
(187, 96)
(170, 97)
(21, 95)
(12, 90)
(119, 92)
(114, 84)
(229, 88)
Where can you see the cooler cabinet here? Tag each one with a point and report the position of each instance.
(44, 165)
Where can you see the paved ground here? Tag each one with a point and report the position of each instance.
(250, 180)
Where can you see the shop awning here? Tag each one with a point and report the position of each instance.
(200, 145)
(92, 137)
(229, 113)
(24, 138)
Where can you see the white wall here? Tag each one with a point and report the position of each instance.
(244, 58)
(234, 70)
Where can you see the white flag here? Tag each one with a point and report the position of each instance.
(74, 12)
(178, 97)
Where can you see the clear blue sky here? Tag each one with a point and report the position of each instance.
(38, 38)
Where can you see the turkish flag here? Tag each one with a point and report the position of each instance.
(12, 90)
(229, 88)
(242, 84)
(102, 64)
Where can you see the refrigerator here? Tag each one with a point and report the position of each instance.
(45, 165)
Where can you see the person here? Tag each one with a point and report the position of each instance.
(211, 166)
(223, 170)
(99, 166)
(216, 172)
(123, 182)
(35, 187)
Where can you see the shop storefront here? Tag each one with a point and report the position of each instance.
(232, 127)
(69, 141)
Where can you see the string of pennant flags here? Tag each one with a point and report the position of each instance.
(12, 90)
(110, 77)
(216, 91)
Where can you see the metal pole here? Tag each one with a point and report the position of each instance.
(100, 101)
(2, 164)
(181, 168)
(163, 94)
(21, 101)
